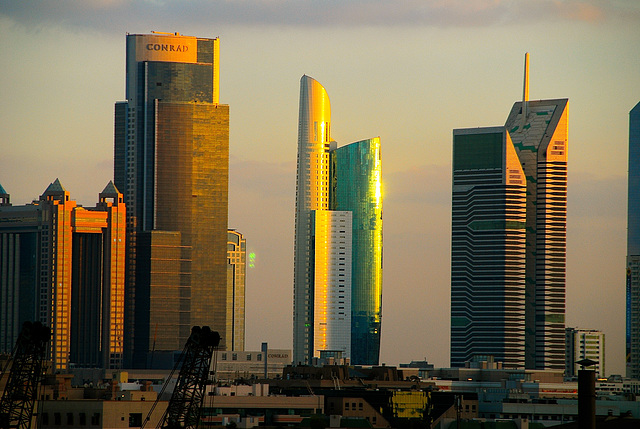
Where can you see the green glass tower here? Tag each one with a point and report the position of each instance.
(358, 190)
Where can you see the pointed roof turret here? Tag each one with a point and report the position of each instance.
(4, 197)
(110, 192)
(55, 191)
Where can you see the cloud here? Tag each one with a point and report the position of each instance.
(145, 15)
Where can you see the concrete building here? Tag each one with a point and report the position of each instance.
(335, 298)
(538, 133)
(172, 163)
(63, 265)
(584, 344)
(633, 248)
(236, 281)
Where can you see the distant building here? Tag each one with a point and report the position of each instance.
(584, 344)
(536, 132)
(63, 265)
(172, 164)
(338, 239)
(266, 363)
(633, 248)
(236, 281)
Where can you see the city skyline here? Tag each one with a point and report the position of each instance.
(441, 66)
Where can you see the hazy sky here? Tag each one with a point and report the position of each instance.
(407, 71)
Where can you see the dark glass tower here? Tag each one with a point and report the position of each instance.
(487, 249)
(358, 190)
(633, 248)
(172, 160)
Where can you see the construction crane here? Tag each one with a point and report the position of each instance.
(27, 365)
(185, 404)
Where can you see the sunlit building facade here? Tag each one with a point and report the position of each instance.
(172, 162)
(487, 248)
(633, 248)
(312, 193)
(63, 265)
(358, 172)
(236, 282)
(331, 238)
(540, 134)
(337, 268)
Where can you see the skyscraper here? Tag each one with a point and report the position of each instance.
(633, 248)
(172, 160)
(236, 281)
(63, 265)
(358, 177)
(538, 131)
(338, 239)
(487, 248)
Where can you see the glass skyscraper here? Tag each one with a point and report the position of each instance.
(538, 134)
(487, 248)
(338, 239)
(633, 248)
(358, 190)
(172, 161)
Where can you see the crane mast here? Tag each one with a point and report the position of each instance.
(21, 391)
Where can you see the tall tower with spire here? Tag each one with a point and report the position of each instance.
(533, 283)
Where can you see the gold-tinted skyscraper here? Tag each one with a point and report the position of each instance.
(172, 160)
(236, 281)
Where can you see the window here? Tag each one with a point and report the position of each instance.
(248, 356)
(135, 420)
(83, 419)
(259, 357)
(57, 419)
(69, 419)
(234, 356)
(95, 419)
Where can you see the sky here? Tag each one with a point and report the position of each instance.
(408, 71)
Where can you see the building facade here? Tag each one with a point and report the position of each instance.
(63, 265)
(487, 248)
(236, 281)
(584, 344)
(172, 162)
(358, 175)
(332, 296)
(538, 132)
(633, 248)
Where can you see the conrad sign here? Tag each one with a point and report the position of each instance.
(166, 47)
(180, 49)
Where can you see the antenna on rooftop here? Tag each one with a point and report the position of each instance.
(525, 90)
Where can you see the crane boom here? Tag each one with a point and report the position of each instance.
(21, 391)
(185, 404)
